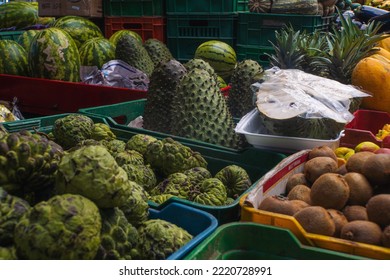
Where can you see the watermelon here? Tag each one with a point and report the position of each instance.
(26, 37)
(13, 58)
(118, 34)
(220, 55)
(18, 14)
(54, 55)
(79, 28)
(96, 52)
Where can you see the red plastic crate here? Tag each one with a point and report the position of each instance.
(364, 127)
(44, 97)
(146, 27)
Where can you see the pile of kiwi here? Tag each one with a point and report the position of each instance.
(351, 201)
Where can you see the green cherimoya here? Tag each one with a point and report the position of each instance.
(177, 184)
(168, 156)
(132, 51)
(91, 171)
(140, 142)
(241, 99)
(201, 112)
(12, 208)
(119, 238)
(65, 227)
(114, 146)
(160, 238)
(197, 174)
(102, 131)
(160, 198)
(236, 180)
(28, 162)
(142, 174)
(72, 129)
(158, 51)
(8, 253)
(129, 157)
(158, 110)
(210, 192)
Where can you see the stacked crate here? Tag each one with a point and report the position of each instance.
(146, 17)
(190, 23)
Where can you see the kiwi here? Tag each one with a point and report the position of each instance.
(316, 219)
(330, 191)
(342, 169)
(322, 151)
(296, 179)
(360, 189)
(300, 192)
(317, 166)
(355, 212)
(378, 209)
(385, 239)
(377, 169)
(298, 205)
(339, 220)
(362, 231)
(277, 204)
(355, 162)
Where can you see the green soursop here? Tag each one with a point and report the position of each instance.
(129, 157)
(158, 51)
(91, 171)
(139, 143)
(142, 174)
(119, 238)
(168, 156)
(235, 179)
(197, 63)
(160, 238)
(241, 99)
(102, 131)
(131, 51)
(72, 129)
(158, 110)
(210, 192)
(201, 112)
(65, 227)
(176, 184)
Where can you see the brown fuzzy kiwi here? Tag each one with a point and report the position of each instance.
(316, 219)
(385, 239)
(360, 189)
(377, 169)
(330, 191)
(317, 166)
(300, 192)
(362, 231)
(378, 209)
(296, 179)
(355, 212)
(298, 205)
(355, 162)
(322, 151)
(277, 204)
(342, 170)
(339, 220)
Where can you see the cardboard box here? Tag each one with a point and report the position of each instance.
(86, 8)
(49, 8)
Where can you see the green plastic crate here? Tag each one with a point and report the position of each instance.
(256, 162)
(251, 241)
(202, 7)
(258, 29)
(134, 7)
(10, 35)
(255, 53)
(242, 6)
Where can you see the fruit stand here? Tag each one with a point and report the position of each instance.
(188, 130)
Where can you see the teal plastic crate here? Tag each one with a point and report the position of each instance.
(255, 161)
(242, 6)
(251, 241)
(10, 35)
(258, 29)
(134, 7)
(198, 223)
(255, 53)
(202, 7)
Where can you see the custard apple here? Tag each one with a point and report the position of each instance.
(210, 192)
(102, 131)
(139, 142)
(235, 179)
(143, 175)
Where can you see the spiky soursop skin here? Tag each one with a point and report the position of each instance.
(114, 146)
(200, 111)
(158, 51)
(197, 174)
(177, 184)
(160, 238)
(13, 59)
(26, 38)
(96, 52)
(131, 51)
(119, 238)
(142, 174)
(72, 129)
(129, 157)
(92, 171)
(28, 162)
(158, 110)
(236, 180)
(198, 63)
(102, 131)
(65, 227)
(210, 192)
(168, 156)
(8, 253)
(240, 100)
(54, 55)
(12, 208)
(140, 142)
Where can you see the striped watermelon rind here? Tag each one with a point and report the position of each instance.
(54, 55)
(18, 14)
(220, 55)
(118, 34)
(13, 58)
(96, 52)
(26, 37)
